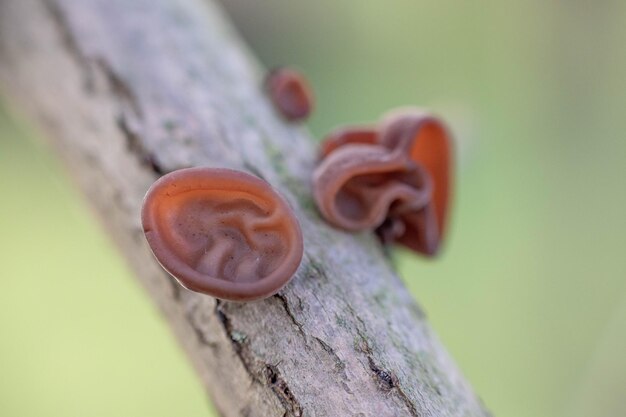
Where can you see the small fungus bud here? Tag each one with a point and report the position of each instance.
(290, 92)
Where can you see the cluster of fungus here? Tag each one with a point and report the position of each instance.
(229, 234)
(393, 178)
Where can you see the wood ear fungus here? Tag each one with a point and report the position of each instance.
(357, 185)
(290, 93)
(346, 135)
(393, 178)
(222, 232)
(427, 141)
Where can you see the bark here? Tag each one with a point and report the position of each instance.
(129, 90)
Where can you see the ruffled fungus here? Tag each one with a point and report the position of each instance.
(356, 186)
(394, 178)
(290, 92)
(345, 135)
(222, 232)
(426, 140)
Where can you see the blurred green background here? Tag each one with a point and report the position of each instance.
(530, 294)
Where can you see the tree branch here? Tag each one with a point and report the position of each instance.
(129, 90)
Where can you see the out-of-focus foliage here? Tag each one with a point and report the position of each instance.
(529, 295)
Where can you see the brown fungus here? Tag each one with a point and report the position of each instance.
(357, 185)
(394, 178)
(222, 232)
(416, 229)
(290, 92)
(427, 141)
(346, 135)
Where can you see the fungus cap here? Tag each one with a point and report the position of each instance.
(345, 135)
(427, 141)
(421, 147)
(357, 185)
(290, 93)
(222, 232)
(417, 230)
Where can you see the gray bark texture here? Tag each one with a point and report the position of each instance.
(130, 90)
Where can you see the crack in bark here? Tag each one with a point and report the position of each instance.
(134, 144)
(385, 380)
(281, 389)
(285, 304)
(69, 42)
(196, 325)
(129, 118)
(240, 349)
(253, 169)
(177, 289)
(260, 372)
(339, 363)
(117, 87)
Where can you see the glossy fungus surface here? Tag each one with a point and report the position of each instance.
(394, 178)
(346, 135)
(426, 140)
(222, 232)
(415, 229)
(290, 93)
(358, 185)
